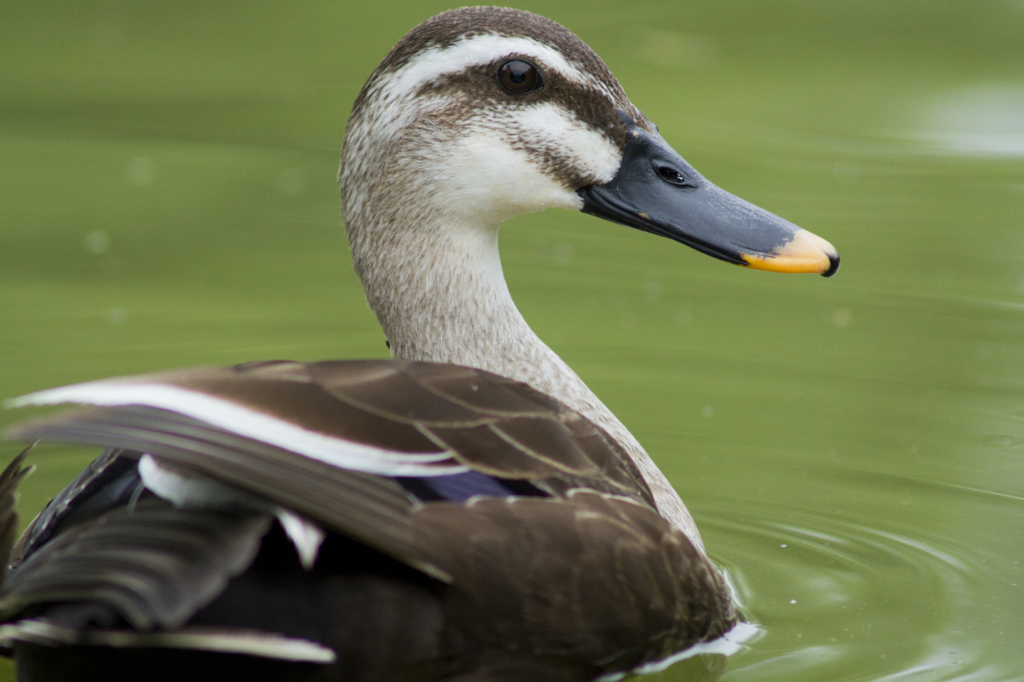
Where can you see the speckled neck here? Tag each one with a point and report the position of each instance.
(440, 295)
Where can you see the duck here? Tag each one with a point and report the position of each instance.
(468, 510)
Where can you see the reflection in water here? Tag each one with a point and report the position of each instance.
(702, 668)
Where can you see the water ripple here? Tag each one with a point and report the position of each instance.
(836, 596)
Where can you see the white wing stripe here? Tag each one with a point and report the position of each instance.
(249, 423)
(240, 641)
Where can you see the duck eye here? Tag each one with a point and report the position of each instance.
(519, 77)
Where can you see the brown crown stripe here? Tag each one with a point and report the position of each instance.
(445, 29)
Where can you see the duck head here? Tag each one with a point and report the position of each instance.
(481, 114)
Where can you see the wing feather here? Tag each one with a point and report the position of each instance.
(576, 567)
(155, 565)
(383, 417)
(370, 508)
(576, 578)
(428, 420)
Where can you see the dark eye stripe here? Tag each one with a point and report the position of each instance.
(519, 77)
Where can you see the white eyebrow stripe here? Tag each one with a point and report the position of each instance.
(470, 51)
(392, 103)
(250, 423)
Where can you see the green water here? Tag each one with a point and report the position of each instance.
(852, 449)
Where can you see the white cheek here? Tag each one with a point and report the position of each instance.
(487, 178)
(549, 125)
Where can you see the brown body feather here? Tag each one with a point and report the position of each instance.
(583, 577)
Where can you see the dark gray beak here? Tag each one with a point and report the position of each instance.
(657, 191)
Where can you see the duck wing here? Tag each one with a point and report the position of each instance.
(498, 516)
(384, 417)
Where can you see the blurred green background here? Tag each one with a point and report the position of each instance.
(853, 448)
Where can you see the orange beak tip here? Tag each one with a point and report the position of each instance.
(805, 253)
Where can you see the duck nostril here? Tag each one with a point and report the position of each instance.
(672, 176)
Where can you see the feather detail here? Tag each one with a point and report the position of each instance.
(221, 640)
(304, 534)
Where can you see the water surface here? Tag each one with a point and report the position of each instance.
(852, 449)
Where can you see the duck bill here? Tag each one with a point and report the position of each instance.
(656, 190)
